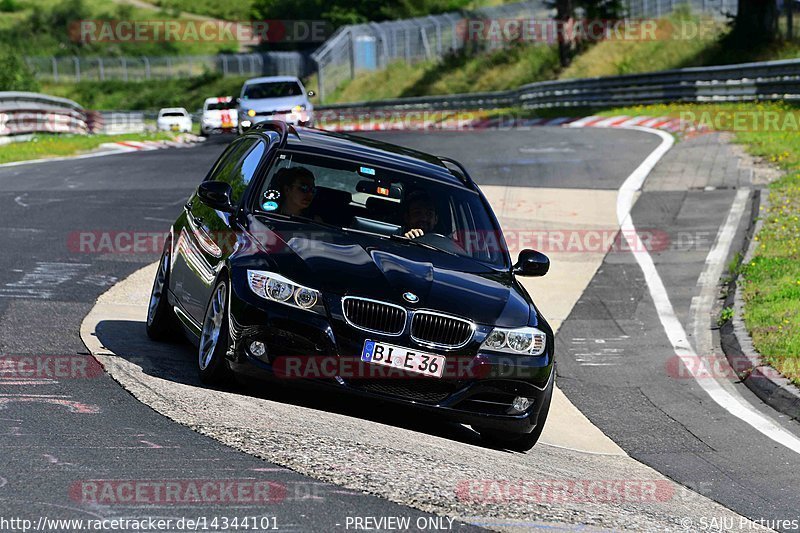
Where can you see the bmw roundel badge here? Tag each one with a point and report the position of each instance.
(410, 297)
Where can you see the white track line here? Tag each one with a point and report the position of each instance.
(733, 403)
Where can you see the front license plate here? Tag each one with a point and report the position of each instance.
(380, 353)
(175, 127)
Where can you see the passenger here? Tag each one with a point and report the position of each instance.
(297, 188)
(419, 215)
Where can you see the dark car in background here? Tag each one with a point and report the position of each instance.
(365, 266)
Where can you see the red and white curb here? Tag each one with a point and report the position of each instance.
(452, 122)
(145, 146)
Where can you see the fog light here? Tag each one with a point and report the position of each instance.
(520, 404)
(246, 123)
(258, 349)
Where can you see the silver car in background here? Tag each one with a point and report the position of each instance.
(275, 98)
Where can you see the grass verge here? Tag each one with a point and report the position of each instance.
(60, 145)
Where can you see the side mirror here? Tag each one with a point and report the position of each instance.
(532, 263)
(311, 94)
(216, 195)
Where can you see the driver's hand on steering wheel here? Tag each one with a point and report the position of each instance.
(413, 233)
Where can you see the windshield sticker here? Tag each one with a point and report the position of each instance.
(270, 200)
(366, 170)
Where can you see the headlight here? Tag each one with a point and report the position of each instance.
(299, 108)
(524, 341)
(277, 288)
(251, 112)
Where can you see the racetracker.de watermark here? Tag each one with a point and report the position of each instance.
(173, 30)
(756, 120)
(572, 240)
(719, 366)
(177, 491)
(551, 31)
(14, 368)
(509, 491)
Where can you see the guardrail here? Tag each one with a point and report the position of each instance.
(770, 80)
(23, 112)
(117, 122)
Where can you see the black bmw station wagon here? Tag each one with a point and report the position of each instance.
(364, 266)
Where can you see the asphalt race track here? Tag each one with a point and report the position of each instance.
(61, 433)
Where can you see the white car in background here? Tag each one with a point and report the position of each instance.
(219, 115)
(275, 98)
(174, 119)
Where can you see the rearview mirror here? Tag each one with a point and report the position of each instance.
(389, 190)
(216, 195)
(532, 263)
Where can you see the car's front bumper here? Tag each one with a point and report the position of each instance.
(302, 118)
(477, 389)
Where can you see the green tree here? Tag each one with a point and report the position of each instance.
(756, 21)
(14, 73)
(352, 11)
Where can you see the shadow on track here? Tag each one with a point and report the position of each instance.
(176, 362)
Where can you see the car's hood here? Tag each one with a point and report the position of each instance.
(273, 104)
(349, 263)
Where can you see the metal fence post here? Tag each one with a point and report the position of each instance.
(146, 67)
(77, 64)
(124, 69)
(438, 35)
(102, 70)
(321, 82)
(55, 70)
(425, 43)
(352, 49)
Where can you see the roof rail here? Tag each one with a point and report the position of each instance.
(464, 175)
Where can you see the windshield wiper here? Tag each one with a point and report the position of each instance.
(406, 240)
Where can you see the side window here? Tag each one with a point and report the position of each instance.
(229, 157)
(243, 174)
(229, 169)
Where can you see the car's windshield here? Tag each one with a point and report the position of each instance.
(357, 196)
(219, 106)
(275, 89)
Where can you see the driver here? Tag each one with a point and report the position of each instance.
(419, 215)
(297, 188)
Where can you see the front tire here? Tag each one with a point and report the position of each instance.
(515, 441)
(214, 339)
(162, 324)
